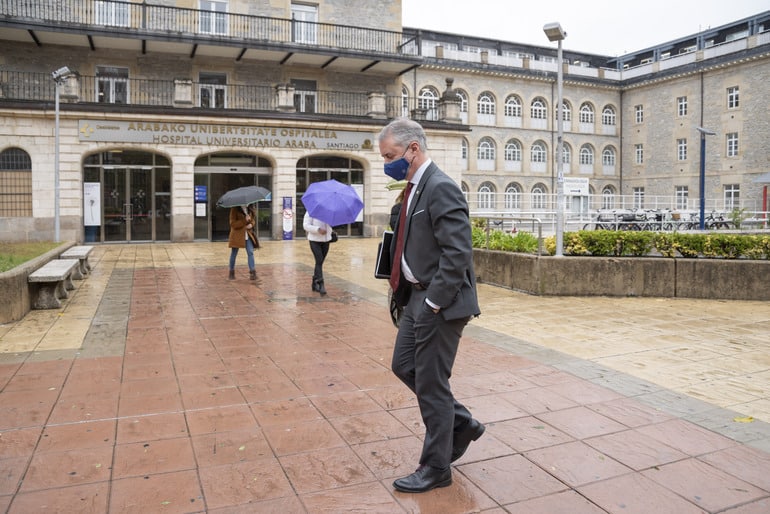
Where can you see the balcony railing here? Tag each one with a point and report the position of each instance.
(22, 86)
(131, 19)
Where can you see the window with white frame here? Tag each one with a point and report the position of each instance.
(513, 106)
(566, 111)
(304, 23)
(305, 95)
(212, 90)
(513, 150)
(682, 197)
(732, 144)
(732, 196)
(427, 100)
(404, 102)
(537, 109)
(537, 152)
(566, 154)
(486, 149)
(538, 196)
(114, 14)
(486, 103)
(639, 113)
(464, 149)
(681, 106)
(586, 155)
(608, 198)
(608, 116)
(733, 97)
(639, 154)
(681, 149)
(512, 197)
(638, 198)
(213, 17)
(463, 105)
(486, 196)
(111, 85)
(587, 113)
(608, 157)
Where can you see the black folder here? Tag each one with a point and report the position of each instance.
(382, 269)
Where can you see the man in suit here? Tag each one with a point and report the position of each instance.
(435, 283)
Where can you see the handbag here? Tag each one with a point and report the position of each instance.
(334, 237)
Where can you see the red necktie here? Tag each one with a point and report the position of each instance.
(395, 272)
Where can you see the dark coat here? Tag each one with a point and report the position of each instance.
(238, 222)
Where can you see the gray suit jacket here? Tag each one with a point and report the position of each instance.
(438, 245)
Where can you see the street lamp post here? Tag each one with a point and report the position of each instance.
(554, 32)
(59, 76)
(703, 133)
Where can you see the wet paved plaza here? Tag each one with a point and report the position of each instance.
(161, 386)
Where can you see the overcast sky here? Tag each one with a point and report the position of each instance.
(605, 27)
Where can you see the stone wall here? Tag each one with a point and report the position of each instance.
(625, 276)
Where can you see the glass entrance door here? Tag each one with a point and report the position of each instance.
(126, 198)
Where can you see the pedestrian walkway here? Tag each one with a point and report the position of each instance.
(161, 386)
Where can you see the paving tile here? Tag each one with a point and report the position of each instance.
(89, 434)
(511, 479)
(636, 494)
(302, 437)
(566, 501)
(65, 468)
(178, 492)
(228, 447)
(635, 450)
(576, 463)
(743, 462)
(150, 427)
(368, 427)
(325, 469)
(704, 485)
(686, 437)
(389, 459)
(528, 433)
(369, 498)
(83, 499)
(244, 482)
(581, 422)
(285, 412)
(220, 419)
(153, 457)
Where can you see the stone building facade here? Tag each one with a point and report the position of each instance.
(162, 107)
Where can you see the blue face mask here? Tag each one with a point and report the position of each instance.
(398, 168)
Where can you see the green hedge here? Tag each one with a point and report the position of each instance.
(612, 243)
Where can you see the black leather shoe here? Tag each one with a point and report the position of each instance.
(424, 479)
(462, 439)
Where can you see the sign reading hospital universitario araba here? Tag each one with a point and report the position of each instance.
(201, 134)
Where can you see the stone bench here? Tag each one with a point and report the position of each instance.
(55, 281)
(81, 254)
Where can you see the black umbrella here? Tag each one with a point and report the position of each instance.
(246, 195)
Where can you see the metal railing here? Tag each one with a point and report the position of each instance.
(143, 18)
(28, 86)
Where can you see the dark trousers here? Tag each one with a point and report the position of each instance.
(422, 359)
(319, 250)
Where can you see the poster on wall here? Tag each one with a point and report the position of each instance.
(92, 204)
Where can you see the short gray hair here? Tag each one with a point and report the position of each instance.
(404, 131)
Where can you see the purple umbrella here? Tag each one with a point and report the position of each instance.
(332, 202)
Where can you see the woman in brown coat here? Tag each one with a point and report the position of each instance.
(243, 235)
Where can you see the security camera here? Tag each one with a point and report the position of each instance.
(61, 73)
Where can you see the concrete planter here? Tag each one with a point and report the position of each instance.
(625, 276)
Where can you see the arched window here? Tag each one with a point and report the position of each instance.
(464, 149)
(608, 197)
(566, 111)
(538, 196)
(486, 196)
(608, 157)
(537, 109)
(586, 113)
(404, 102)
(566, 153)
(513, 106)
(15, 183)
(537, 152)
(486, 103)
(512, 196)
(586, 155)
(428, 100)
(512, 150)
(486, 149)
(608, 116)
(463, 100)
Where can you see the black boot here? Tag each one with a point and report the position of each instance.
(315, 284)
(321, 288)
(231, 276)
